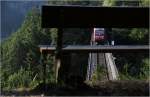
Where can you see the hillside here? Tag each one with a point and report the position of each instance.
(14, 12)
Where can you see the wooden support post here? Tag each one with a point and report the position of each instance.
(58, 52)
(43, 61)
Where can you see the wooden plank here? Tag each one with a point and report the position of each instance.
(86, 16)
(99, 48)
(43, 60)
(58, 56)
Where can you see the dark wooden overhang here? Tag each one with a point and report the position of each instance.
(87, 17)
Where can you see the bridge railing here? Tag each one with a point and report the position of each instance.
(98, 48)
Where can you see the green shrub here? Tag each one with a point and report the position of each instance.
(20, 79)
(99, 73)
(142, 73)
(144, 70)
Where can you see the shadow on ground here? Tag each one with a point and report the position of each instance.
(115, 88)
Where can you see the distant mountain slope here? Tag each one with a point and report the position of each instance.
(13, 13)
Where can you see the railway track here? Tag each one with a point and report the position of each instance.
(106, 60)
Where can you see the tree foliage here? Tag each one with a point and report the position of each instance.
(21, 50)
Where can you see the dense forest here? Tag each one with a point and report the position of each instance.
(22, 61)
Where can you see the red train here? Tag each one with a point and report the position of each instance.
(98, 34)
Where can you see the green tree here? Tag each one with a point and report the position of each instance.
(109, 2)
(21, 49)
(144, 3)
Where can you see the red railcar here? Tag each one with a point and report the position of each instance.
(99, 34)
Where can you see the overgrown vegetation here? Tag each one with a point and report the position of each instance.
(21, 58)
(100, 74)
(130, 64)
